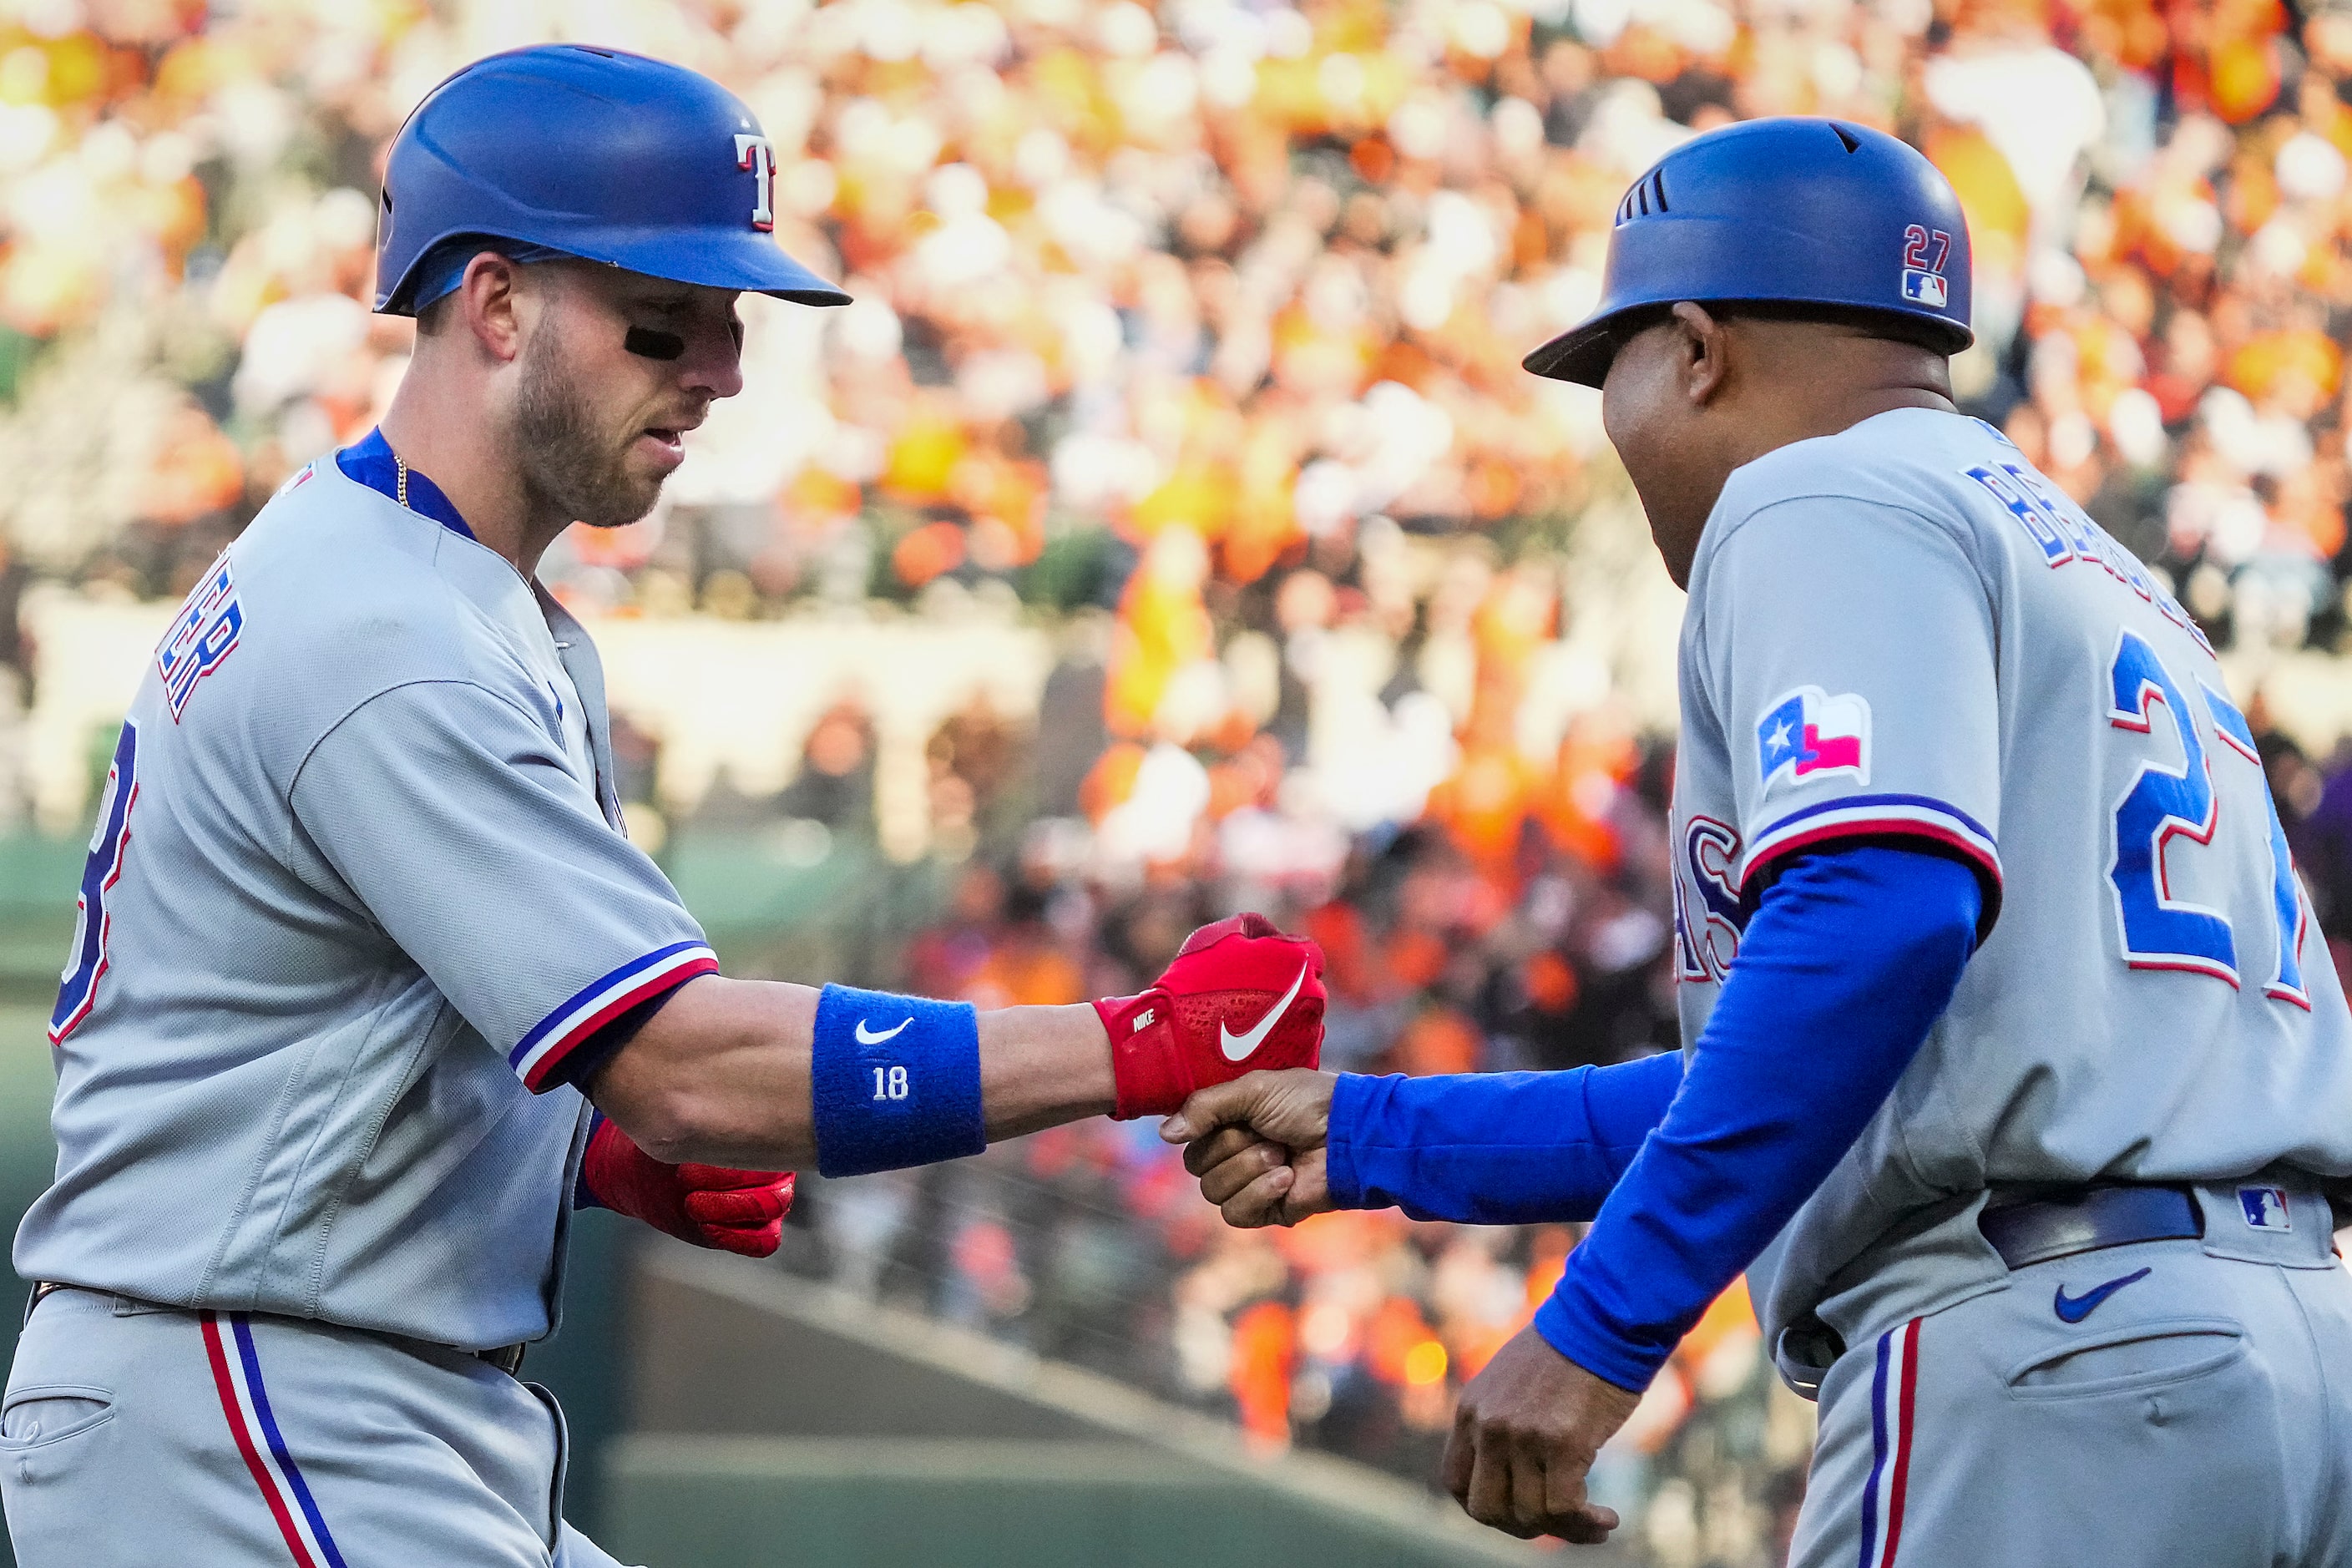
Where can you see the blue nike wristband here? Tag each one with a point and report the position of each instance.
(895, 1081)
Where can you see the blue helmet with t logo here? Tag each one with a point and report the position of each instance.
(1785, 212)
(590, 152)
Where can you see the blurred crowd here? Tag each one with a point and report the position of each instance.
(1155, 309)
(1194, 334)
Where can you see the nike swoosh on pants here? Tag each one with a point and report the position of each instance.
(2075, 1309)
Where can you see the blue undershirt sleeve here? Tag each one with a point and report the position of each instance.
(1848, 963)
(1515, 1148)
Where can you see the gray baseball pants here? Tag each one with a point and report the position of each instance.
(131, 1434)
(2162, 1403)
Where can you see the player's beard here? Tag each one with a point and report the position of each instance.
(570, 468)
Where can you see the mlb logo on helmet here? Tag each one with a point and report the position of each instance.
(1925, 252)
(1809, 735)
(2264, 1208)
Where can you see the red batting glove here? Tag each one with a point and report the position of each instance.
(1240, 996)
(710, 1205)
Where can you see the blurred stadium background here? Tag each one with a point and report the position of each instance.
(1166, 529)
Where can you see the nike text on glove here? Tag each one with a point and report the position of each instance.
(710, 1205)
(1240, 996)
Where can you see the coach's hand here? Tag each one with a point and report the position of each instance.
(1257, 1144)
(710, 1205)
(1525, 1433)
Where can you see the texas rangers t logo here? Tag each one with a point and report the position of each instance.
(1809, 733)
(758, 155)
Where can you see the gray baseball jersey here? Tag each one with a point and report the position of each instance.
(356, 890)
(1905, 631)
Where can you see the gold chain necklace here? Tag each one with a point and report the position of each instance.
(403, 468)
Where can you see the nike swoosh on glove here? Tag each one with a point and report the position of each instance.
(710, 1205)
(1240, 996)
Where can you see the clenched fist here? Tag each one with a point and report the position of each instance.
(1257, 1145)
(1524, 1434)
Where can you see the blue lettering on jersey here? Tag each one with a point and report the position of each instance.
(2158, 930)
(2161, 931)
(203, 634)
(2064, 534)
(85, 961)
(1708, 919)
(2230, 728)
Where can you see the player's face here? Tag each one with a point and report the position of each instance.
(1649, 411)
(599, 425)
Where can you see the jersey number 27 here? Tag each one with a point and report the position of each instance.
(2161, 931)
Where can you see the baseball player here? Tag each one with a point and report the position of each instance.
(2012, 1072)
(369, 989)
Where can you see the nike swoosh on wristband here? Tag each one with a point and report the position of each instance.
(2075, 1309)
(865, 1037)
(1237, 1048)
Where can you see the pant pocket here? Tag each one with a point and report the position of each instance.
(2129, 1359)
(38, 1416)
(59, 1447)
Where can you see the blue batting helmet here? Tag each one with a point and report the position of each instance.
(1793, 211)
(591, 152)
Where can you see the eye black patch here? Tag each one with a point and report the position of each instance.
(647, 343)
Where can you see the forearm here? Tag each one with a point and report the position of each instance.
(1840, 977)
(1495, 1148)
(1040, 1066)
(722, 1074)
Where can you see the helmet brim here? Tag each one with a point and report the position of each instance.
(1581, 354)
(1584, 352)
(743, 260)
(746, 260)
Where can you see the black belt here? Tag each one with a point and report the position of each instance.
(2035, 1230)
(507, 1359)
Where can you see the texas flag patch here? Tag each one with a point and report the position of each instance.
(1811, 736)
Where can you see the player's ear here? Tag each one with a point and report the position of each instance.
(485, 301)
(1701, 349)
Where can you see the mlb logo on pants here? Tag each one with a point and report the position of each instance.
(2264, 1207)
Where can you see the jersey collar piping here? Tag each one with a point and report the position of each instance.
(368, 461)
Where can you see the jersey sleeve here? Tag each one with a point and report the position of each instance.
(1848, 655)
(453, 817)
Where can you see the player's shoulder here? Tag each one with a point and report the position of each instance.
(344, 594)
(1903, 470)
(1908, 460)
